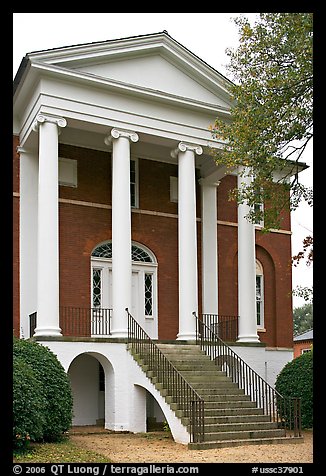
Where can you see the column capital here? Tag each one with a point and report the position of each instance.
(204, 182)
(41, 118)
(183, 146)
(117, 133)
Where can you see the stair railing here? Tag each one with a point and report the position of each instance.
(181, 391)
(285, 411)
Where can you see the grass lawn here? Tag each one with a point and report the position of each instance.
(62, 452)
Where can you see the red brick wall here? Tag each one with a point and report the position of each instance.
(154, 187)
(94, 175)
(298, 347)
(277, 247)
(226, 208)
(83, 227)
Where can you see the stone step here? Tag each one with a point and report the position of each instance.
(184, 352)
(217, 420)
(197, 365)
(216, 390)
(222, 391)
(206, 375)
(186, 357)
(243, 442)
(244, 435)
(210, 408)
(225, 398)
(239, 426)
(178, 347)
(215, 384)
(229, 404)
(220, 387)
(216, 412)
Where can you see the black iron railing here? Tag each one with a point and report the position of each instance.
(226, 327)
(158, 366)
(285, 411)
(84, 322)
(80, 321)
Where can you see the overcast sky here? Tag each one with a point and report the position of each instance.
(205, 34)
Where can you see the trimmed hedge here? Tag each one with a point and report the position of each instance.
(28, 405)
(296, 380)
(56, 414)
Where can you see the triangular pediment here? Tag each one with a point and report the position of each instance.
(154, 63)
(154, 72)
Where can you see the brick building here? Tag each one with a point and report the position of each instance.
(303, 343)
(140, 220)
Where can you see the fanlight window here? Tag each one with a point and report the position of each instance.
(103, 251)
(137, 253)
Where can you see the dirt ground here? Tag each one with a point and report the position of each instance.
(158, 447)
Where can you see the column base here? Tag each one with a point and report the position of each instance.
(186, 336)
(47, 332)
(119, 333)
(248, 338)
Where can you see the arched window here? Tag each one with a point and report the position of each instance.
(259, 294)
(138, 254)
(103, 251)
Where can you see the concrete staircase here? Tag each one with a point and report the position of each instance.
(231, 419)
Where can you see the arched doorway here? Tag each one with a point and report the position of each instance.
(155, 418)
(144, 283)
(91, 377)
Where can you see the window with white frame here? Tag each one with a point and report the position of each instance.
(97, 287)
(303, 351)
(259, 294)
(259, 211)
(148, 294)
(134, 200)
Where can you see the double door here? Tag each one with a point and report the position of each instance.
(143, 293)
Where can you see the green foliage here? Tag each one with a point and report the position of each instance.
(50, 374)
(296, 380)
(271, 113)
(28, 405)
(166, 426)
(302, 318)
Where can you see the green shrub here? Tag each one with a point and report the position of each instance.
(55, 383)
(296, 380)
(28, 405)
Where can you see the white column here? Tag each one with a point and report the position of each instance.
(246, 272)
(28, 237)
(209, 247)
(48, 227)
(187, 239)
(121, 229)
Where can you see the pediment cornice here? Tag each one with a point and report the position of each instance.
(74, 58)
(78, 76)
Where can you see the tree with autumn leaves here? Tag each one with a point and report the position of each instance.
(271, 121)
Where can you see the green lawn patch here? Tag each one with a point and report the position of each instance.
(62, 452)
